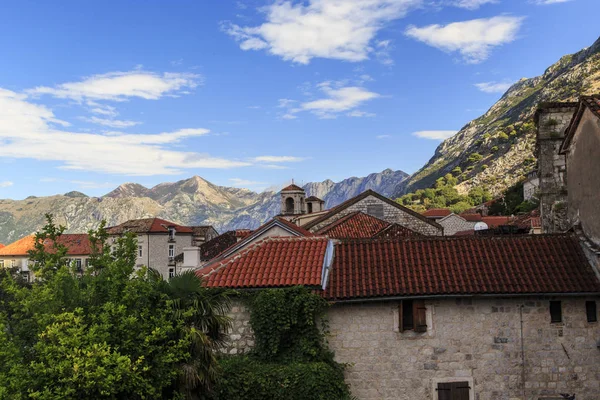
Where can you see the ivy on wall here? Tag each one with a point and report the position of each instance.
(290, 360)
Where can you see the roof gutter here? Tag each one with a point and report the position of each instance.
(395, 298)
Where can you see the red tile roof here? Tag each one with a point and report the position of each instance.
(1, 245)
(77, 245)
(271, 262)
(437, 213)
(314, 198)
(396, 231)
(292, 188)
(496, 221)
(354, 225)
(242, 233)
(217, 245)
(472, 217)
(298, 229)
(457, 266)
(147, 225)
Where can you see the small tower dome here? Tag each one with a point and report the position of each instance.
(292, 200)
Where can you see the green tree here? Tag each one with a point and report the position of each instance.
(113, 332)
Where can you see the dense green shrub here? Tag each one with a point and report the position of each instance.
(245, 377)
(290, 359)
(475, 157)
(494, 149)
(503, 136)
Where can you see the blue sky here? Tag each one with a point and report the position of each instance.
(252, 94)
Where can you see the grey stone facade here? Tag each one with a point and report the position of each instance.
(476, 340)
(552, 122)
(389, 212)
(155, 250)
(455, 223)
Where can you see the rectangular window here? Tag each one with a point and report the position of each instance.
(1, 263)
(171, 251)
(376, 210)
(140, 251)
(453, 391)
(590, 310)
(171, 233)
(78, 264)
(171, 272)
(13, 263)
(413, 316)
(555, 311)
(87, 263)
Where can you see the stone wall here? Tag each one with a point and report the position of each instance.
(478, 341)
(583, 176)
(551, 127)
(390, 213)
(473, 340)
(455, 223)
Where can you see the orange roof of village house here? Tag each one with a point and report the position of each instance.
(437, 212)
(1, 245)
(354, 225)
(77, 244)
(147, 225)
(271, 262)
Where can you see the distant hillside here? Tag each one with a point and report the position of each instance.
(193, 201)
(496, 149)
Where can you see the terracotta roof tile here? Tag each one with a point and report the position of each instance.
(437, 212)
(291, 188)
(147, 225)
(396, 231)
(354, 225)
(314, 198)
(456, 266)
(271, 262)
(496, 221)
(217, 245)
(471, 217)
(77, 245)
(1, 245)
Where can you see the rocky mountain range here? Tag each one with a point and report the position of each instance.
(493, 151)
(497, 149)
(193, 201)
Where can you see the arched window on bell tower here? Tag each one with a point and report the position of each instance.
(289, 205)
(292, 200)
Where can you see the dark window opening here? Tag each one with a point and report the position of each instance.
(590, 310)
(412, 316)
(309, 207)
(453, 391)
(555, 311)
(376, 210)
(289, 205)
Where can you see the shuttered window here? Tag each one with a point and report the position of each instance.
(453, 391)
(555, 311)
(590, 310)
(412, 316)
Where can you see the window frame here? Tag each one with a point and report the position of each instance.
(1, 263)
(556, 314)
(172, 232)
(13, 263)
(419, 315)
(171, 251)
(140, 251)
(467, 379)
(591, 310)
(171, 272)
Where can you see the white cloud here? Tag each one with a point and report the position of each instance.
(547, 2)
(338, 100)
(334, 29)
(473, 39)
(383, 136)
(360, 114)
(471, 4)
(119, 86)
(29, 131)
(4, 184)
(493, 87)
(113, 123)
(435, 135)
(278, 159)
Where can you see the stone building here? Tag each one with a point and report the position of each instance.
(531, 186)
(552, 120)
(376, 205)
(582, 150)
(160, 241)
(16, 255)
(487, 318)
